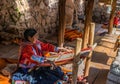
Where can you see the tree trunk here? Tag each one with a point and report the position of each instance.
(62, 23)
(110, 27)
(88, 19)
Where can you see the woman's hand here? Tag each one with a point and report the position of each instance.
(53, 66)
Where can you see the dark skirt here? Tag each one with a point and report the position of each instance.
(42, 75)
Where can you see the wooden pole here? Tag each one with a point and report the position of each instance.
(91, 41)
(76, 59)
(110, 27)
(62, 22)
(88, 19)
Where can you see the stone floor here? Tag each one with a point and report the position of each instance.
(9, 51)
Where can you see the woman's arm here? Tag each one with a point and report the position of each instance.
(51, 48)
(28, 54)
(48, 47)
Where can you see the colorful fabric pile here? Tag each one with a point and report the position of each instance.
(4, 80)
(72, 34)
(42, 75)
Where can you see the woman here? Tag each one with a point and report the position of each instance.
(31, 56)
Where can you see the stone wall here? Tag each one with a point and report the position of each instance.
(80, 6)
(69, 13)
(21, 14)
(39, 14)
(42, 14)
(74, 10)
(101, 12)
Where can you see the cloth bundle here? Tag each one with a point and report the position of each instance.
(42, 75)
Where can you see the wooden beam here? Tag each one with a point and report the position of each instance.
(75, 61)
(110, 27)
(91, 41)
(62, 22)
(88, 19)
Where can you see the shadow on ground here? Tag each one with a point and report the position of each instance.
(97, 76)
(100, 57)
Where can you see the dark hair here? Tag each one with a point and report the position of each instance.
(29, 32)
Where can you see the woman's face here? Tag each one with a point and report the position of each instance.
(34, 38)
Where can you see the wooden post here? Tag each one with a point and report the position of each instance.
(76, 59)
(91, 41)
(110, 27)
(62, 23)
(88, 19)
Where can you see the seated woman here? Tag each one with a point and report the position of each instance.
(31, 54)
